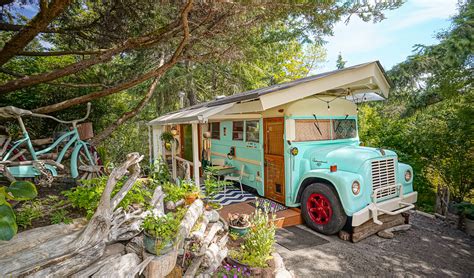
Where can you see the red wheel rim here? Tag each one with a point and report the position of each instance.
(319, 208)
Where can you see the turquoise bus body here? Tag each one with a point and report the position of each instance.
(312, 164)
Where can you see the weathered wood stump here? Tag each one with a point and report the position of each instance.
(370, 228)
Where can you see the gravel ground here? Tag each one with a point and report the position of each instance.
(429, 248)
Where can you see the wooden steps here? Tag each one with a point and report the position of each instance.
(284, 218)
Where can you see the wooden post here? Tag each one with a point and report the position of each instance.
(196, 162)
(157, 144)
(173, 160)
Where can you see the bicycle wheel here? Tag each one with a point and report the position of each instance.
(89, 169)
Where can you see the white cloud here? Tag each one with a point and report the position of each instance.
(362, 38)
(426, 10)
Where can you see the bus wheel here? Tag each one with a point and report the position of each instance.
(322, 210)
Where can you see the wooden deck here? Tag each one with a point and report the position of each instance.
(285, 218)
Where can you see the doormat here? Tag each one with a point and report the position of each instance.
(295, 238)
(272, 205)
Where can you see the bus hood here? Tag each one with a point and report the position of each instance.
(347, 158)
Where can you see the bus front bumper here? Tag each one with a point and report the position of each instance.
(393, 206)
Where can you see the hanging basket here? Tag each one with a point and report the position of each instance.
(85, 131)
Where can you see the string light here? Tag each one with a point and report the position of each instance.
(327, 101)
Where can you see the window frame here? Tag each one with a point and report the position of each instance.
(236, 132)
(211, 124)
(257, 131)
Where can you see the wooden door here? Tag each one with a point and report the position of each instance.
(274, 160)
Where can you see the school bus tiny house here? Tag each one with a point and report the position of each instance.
(298, 143)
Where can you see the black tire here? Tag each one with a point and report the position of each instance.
(337, 217)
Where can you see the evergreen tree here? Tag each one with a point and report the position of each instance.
(340, 63)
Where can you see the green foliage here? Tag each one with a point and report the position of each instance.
(17, 191)
(159, 172)
(212, 185)
(173, 192)
(258, 244)
(163, 228)
(27, 213)
(60, 216)
(465, 209)
(340, 63)
(167, 136)
(87, 197)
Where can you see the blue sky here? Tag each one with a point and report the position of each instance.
(391, 40)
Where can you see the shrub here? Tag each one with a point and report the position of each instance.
(60, 216)
(17, 191)
(176, 192)
(258, 244)
(27, 213)
(87, 197)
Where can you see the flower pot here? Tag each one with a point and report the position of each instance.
(213, 206)
(151, 244)
(469, 226)
(241, 231)
(190, 199)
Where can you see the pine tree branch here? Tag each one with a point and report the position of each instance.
(157, 72)
(106, 55)
(49, 11)
(127, 115)
(61, 53)
(72, 85)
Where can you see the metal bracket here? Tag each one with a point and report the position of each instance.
(374, 209)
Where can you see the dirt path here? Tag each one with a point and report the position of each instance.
(429, 248)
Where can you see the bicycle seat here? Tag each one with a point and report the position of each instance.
(13, 112)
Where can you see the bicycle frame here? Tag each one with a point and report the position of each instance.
(74, 140)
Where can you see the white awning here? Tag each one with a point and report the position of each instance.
(196, 115)
(364, 97)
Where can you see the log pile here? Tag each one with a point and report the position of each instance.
(111, 244)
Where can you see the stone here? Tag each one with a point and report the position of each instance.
(212, 215)
(344, 235)
(385, 234)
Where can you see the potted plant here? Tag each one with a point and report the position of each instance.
(160, 232)
(466, 211)
(212, 186)
(239, 223)
(168, 138)
(258, 245)
(192, 192)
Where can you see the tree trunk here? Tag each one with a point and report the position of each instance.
(68, 254)
(105, 56)
(49, 11)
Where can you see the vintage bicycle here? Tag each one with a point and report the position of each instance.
(84, 160)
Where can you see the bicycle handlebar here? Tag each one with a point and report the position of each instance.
(74, 122)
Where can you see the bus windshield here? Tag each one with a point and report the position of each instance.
(325, 129)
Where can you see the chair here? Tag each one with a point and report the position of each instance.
(236, 178)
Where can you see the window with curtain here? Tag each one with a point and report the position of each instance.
(252, 131)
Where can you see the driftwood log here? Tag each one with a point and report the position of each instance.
(64, 254)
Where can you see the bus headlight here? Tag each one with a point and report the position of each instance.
(408, 175)
(356, 188)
